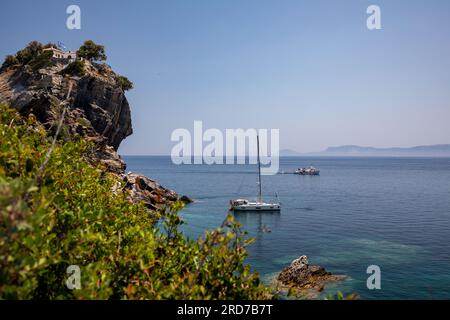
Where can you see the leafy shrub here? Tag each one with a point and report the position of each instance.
(74, 218)
(75, 68)
(124, 83)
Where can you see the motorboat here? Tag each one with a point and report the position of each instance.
(311, 171)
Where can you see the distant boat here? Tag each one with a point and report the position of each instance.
(258, 205)
(311, 171)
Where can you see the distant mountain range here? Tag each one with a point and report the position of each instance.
(440, 150)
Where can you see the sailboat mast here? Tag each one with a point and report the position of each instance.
(259, 171)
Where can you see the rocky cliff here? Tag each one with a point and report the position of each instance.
(96, 109)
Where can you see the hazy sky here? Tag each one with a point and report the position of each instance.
(310, 68)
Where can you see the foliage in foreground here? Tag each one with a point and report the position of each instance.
(340, 296)
(73, 218)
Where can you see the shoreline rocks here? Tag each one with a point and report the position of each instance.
(306, 281)
(152, 194)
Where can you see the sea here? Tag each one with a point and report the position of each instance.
(393, 213)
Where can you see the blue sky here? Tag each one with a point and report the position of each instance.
(309, 68)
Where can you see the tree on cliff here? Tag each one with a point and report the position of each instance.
(32, 55)
(124, 83)
(10, 60)
(92, 51)
(31, 51)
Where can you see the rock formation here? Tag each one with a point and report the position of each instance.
(307, 281)
(97, 110)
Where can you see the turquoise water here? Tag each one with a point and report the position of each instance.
(391, 212)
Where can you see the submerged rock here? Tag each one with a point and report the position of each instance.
(307, 281)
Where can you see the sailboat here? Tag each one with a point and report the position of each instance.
(259, 204)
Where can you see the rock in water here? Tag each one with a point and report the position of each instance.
(306, 280)
(186, 200)
(151, 193)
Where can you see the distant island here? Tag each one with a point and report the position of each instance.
(439, 150)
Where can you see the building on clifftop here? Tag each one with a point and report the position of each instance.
(60, 54)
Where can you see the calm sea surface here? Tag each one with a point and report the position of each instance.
(391, 212)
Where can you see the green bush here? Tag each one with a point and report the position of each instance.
(124, 83)
(75, 68)
(74, 218)
(43, 60)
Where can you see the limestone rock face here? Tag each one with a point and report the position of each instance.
(41, 92)
(106, 107)
(96, 110)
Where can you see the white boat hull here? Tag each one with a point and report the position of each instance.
(256, 207)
